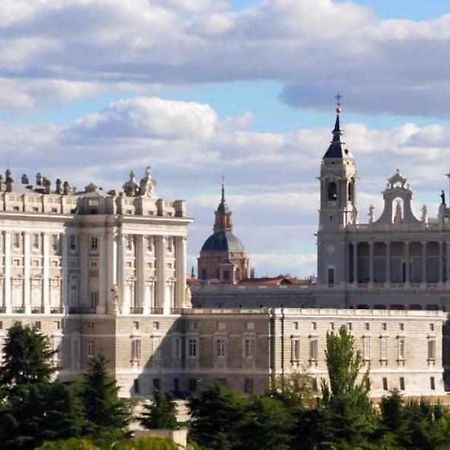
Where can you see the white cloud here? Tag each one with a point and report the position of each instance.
(271, 183)
(315, 47)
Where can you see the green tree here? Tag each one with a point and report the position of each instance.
(69, 444)
(346, 405)
(216, 417)
(161, 413)
(26, 358)
(267, 424)
(295, 388)
(103, 409)
(40, 412)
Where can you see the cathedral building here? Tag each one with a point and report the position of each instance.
(222, 257)
(105, 271)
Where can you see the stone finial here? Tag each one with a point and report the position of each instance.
(66, 188)
(47, 185)
(24, 179)
(59, 189)
(39, 179)
(371, 213)
(424, 217)
(398, 217)
(8, 180)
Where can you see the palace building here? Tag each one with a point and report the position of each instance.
(105, 271)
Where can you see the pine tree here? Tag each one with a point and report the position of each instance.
(161, 413)
(216, 417)
(103, 408)
(27, 358)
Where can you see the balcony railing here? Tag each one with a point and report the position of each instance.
(137, 310)
(37, 309)
(81, 310)
(57, 310)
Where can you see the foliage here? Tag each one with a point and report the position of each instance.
(267, 424)
(26, 358)
(216, 418)
(295, 387)
(345, 403)
(161, 413)
(103, 408)
(69, 444)
(147, 443)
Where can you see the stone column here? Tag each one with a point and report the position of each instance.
(388, 263)
(424, 263)
(121, 275)
(46, 273)
(27, 272)
(102, 275)
(441, 262)
(447, 268)
(111, 268)
(8, 299)
(83, 299)
(407, 262)
(371, 262)
(64, 262)
(180, 270)
(140, 270)
(160, 291)
(355, 263)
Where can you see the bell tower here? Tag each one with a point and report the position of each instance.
(337, 206)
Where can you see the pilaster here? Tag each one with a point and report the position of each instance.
(27, 272)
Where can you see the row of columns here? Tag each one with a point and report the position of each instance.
(407, 261)
(151, 296)
(27, 272)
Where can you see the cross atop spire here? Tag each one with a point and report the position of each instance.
(223, 189)
(335, 149)
(338, 98)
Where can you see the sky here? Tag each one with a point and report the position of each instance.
(200, 89)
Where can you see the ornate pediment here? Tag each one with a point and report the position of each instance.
(397, 181)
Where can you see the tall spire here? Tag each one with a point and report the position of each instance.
(335, 148)
(223, 213)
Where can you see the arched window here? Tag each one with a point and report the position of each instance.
(332, 191)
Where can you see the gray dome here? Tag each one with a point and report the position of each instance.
(223, 241)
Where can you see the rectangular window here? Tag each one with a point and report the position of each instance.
(367, 326)
(366, 348)
(72, 243)
(192, 348)
(295, 325)
(94, 244)
(432, 384)
(36, 241)
(90, 349)
(401, 349)
(332, 326)
(135, 349)
(220, 348)
(17, 239)
(383, 348)
(384, 326)
(295, 349)
(401, 326)
(349, 326)
(55, 242)
(249, 348)
(37, 325)
(402, 383)
(314, 325)
(313, 349)
(330, 276)
(431, 349)
(431, 326)
(157, 384)
(385, 384)
(192, 384)
(136, 387)
(94, 299)
(177, 348)
(248, 385)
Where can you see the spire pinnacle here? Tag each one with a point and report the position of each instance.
(335, 148)
(223, 189)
